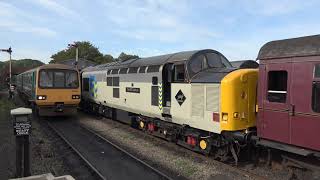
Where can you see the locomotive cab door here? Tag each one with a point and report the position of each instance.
(167, 74)
(276, 107)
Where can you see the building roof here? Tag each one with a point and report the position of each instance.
(302, 46)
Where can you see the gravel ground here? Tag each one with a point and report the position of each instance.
(48, 152)
(160, 153)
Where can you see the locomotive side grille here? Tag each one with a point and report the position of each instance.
(212, 98)
(197, 100)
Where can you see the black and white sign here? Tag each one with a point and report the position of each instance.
(22, 128)
(180, 97)
(132, 90)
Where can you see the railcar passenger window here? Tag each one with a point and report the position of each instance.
(277, 86)
(316, 71)
(179, 73)
(109, 81)
(316, 97)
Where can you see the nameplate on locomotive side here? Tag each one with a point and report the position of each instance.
(132, 90)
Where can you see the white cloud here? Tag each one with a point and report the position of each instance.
(16, 20)
(164, 21)
(55, 7)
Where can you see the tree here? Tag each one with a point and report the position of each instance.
(124, 57)
(86, 51)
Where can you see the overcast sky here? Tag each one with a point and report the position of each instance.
(39, 28)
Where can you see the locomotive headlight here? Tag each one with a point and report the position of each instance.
(225, 116)
(75, 97)
(41, 97)
(235, 114)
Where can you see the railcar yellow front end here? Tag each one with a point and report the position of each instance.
(238, 100)
(58, 92)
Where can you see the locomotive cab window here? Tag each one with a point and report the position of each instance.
(179, 73)
(277, 86)
(316, 97)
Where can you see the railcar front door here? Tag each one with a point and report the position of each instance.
(276, 102)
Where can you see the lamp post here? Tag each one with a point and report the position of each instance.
(8, 51)
(77, 52)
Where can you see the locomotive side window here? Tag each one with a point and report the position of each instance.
(109, 81)
(179, 73)
(142, 69)
(316, 71)
(316, 97)
(85, 84)
(152, 69)
(277, 86)
(133, 70)
(123, 71)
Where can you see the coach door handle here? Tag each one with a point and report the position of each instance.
(291, 109)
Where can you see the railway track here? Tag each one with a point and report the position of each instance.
(107, 160)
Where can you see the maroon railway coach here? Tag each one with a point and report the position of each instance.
(289, 95)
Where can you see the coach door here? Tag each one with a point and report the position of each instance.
(305, 97)
(276, 104)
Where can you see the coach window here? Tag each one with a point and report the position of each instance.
(277, 86)
(316, 71)
(179, 73)
(72, 79)
(316, 96)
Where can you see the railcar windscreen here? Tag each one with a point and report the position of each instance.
(58, 79)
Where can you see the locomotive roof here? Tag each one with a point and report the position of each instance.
(302, 46)
(154, 60)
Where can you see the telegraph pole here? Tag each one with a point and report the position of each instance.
(77, 52)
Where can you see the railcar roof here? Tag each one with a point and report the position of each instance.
(51, 66)
(302, 46)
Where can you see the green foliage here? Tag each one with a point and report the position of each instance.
(90, 52)
(123, 56)
(86, 51)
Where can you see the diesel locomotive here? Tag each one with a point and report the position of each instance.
(200, 101)
(51, 90)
